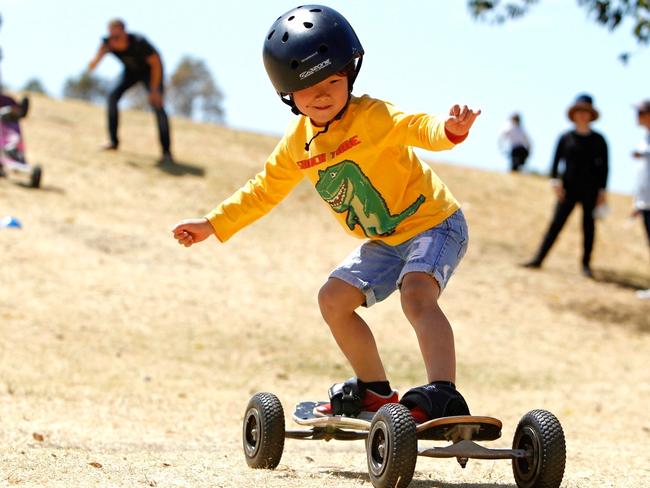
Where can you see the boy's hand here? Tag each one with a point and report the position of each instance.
(460, 120)
(192, 231)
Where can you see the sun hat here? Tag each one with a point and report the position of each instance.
(583, 102)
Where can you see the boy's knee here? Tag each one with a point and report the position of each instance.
(418, 294)
(338, 297)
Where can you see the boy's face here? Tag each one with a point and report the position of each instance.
(324, 100)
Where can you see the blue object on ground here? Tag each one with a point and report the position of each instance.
(10, 222)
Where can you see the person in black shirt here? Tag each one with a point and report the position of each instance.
(142, 64)
(583, 180)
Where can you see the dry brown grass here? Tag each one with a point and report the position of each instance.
(126, 360)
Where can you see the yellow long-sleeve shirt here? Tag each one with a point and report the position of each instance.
(363, 167)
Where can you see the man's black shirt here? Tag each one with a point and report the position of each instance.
(134, 57)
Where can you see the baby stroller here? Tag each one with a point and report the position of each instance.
(12, 146)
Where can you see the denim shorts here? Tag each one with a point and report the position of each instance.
(378, 269)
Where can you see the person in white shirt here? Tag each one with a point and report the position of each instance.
(642, 196)
(514, 142)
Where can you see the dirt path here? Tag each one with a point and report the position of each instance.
(126, 360)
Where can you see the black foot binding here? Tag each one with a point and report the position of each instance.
(435, 400)
(345, 398)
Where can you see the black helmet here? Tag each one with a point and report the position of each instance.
(307, 45)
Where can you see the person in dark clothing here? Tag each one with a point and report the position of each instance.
(142, 64)
(582, 180)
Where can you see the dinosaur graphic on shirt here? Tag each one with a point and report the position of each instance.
(346, 189)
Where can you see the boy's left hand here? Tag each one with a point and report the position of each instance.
(461, 119)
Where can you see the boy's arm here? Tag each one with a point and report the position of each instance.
(389, 126)
(258, 196)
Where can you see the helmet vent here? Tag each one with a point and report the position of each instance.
(315, 10)
(308, 25)
(285, 37)
(294, 64)
(322, 49)
(292, 17)
(270, 35)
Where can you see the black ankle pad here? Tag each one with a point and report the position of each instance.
(437, 400)
(345, 398)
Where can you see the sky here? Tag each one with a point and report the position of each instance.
(421, 55)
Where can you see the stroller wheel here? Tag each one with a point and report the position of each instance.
(35, 180)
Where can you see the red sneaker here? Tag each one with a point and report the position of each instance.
(371, 403)
(419, 415)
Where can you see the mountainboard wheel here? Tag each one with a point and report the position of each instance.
(392, 447)
(35, 178)
(540, 433)
(263, 431)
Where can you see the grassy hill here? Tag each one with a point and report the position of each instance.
(127, 360)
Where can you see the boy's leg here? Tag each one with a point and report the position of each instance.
(338, 301)
(432, 257)
(419, 297)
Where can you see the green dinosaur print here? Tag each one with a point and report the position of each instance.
(346, 189)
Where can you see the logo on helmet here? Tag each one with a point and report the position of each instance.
(314, 69)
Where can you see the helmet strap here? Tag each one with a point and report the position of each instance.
(357, 68)
(338, 116)
(288, 100)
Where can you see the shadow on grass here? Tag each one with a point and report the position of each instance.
(178, 168)
(419, 483)
(625, 279)
(632, 314)
(45, 188)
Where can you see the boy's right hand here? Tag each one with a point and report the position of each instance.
(192, 231)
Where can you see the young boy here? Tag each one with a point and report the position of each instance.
(357, 153)
(642, 197)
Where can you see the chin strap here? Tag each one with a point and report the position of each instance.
(307, 144)
(338, 116)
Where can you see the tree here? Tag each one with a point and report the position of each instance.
(137, 97)
(193, 92)
(608, 13)
(34, 85)
(86, 87)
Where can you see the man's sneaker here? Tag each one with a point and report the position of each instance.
(369, 405)
(532, 264)
(109, 146)
(167, 158)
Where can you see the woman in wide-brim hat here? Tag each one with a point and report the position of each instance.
(583, 179)
(583, 103)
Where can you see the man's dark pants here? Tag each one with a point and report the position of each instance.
(127, 80)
